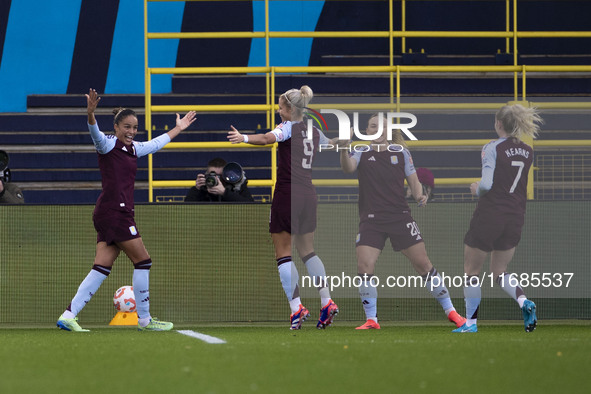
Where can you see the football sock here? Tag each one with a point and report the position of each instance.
(294, 304)
(87, 289)
(369, 297)
(438, 290)
(472, 296)
(288, 274)
(450, 310)
(141, 289)
(316, 270)
(510, 285)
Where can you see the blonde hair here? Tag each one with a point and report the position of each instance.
(397, 137)
(518, 120)
(298, 100)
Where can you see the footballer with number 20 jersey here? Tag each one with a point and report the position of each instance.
(381, 183)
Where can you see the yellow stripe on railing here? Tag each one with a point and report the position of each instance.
(369, 34)
(354, 182)
(207, 70)
(211, 108)
(415, 144)
(179, 183)
(316, 182)
(511, 33)
(214, 145)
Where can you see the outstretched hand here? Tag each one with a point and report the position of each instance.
(185, 121)
(234, 136)
(92, 100)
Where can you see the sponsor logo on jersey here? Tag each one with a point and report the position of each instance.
(372, 159)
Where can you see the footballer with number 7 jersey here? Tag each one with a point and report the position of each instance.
(496, 224)
(113, 214)
(293, 209)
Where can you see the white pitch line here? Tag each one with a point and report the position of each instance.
(203, 337)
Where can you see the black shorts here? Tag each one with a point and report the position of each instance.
(114, 226)
(280, 218)
(296, 216)
(494, 232)
(403, 233)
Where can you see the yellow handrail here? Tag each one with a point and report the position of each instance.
(148, 103)
(417, 144)
(364, 106)
(395, 72)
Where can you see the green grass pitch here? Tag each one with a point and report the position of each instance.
(406, 358)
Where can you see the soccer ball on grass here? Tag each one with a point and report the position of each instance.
(124, 299)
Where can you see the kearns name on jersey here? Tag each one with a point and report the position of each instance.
(517, 152)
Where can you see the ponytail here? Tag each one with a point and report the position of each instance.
(298, 100)
(518, 121)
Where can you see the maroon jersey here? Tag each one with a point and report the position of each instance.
(505, 168)
(118, 169)
(295, 157)
(294, 177)
(381, 183)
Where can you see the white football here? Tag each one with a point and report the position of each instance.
(124, 299)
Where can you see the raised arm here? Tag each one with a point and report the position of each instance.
(182, 123)
(235, 137)
(92, 100)
(348, 163)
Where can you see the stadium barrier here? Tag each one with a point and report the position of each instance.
(215, 263)
(511, 34)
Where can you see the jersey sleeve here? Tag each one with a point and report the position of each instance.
(409, 167)
(103, 144)
(489, 160)
(282, 132)
(152, 146)
(324, 140)
(356, 155)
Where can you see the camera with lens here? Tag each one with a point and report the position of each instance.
(4, 170)
(233, 175)
(211, 179)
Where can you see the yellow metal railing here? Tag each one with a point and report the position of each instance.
(511, 35)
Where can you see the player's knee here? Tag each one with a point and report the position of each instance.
(143, 265)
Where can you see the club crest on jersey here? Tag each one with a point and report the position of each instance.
(394, 159)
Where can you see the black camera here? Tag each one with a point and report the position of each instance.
(211, 179)
(4, 170)
(233, 173)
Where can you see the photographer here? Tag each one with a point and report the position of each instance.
(9, 192)
(222, 182)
